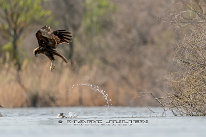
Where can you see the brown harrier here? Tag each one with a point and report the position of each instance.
(48, 41)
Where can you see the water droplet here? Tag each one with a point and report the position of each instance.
(96, 88)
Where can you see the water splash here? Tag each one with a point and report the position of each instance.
(96, 88)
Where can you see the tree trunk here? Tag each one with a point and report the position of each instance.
(15, 51)
(71, 50)
(71, 45)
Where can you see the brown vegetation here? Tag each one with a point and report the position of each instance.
(188, 82)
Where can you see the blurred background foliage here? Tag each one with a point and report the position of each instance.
(96, 18)
(125, 47)
(16, 16)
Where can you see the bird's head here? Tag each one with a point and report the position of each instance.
(36, 51)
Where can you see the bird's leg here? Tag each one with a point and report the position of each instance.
(52, 65)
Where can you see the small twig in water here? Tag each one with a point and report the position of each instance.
(158, 100)
(150, 109)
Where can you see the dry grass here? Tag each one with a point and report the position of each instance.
(45, 88)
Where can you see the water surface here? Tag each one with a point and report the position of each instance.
(43, 122)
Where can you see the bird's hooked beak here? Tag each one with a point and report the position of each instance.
(35, 53)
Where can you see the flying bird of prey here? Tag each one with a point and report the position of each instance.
(48, 41)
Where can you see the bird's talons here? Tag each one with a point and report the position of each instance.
(52, 67)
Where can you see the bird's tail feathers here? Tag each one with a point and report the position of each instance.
(61, 56)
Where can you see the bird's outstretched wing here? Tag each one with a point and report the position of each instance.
(62, 36)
